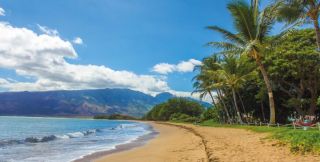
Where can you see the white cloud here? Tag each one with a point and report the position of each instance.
(188, 66)
(2, 12)
(48, 31)
(163, 68)
(77, 40)
(183, 66)
(42, 58)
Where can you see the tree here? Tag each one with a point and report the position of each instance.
(203, 82)
(301, 12)
(294, 67)
(252, 29)
(233, 74)
(165, 110)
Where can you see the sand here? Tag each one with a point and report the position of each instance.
(172, 144)
(183, 142)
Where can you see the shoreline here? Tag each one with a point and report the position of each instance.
(172, 144)
(187, 142)
(140, 141)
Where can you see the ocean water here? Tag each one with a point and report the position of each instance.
(38, 139)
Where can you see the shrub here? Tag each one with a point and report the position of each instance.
(210, 114)
(115, 117)
(176, 108)
(183, 118)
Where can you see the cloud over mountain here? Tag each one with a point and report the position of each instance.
(42, 57)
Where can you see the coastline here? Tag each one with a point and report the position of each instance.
(140, 141)
(171, 144)
(186, 142)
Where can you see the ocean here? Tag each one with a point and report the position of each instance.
(38, 139)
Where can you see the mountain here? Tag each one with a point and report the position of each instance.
(79, 102)
(162, 97)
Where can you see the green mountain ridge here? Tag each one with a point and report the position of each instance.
(80, 102)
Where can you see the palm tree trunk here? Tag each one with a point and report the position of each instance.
(211, 96)
(236, 105)
(262, 111)
(242, 104)
(317, 30)
(313, 104)
(270, 93)
(224, 105)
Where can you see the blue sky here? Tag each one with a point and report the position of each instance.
(126, 35)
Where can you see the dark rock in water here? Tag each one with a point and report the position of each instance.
(9, 142)
(32, 140)
(48, 138)
(98, 130)
(88, 132)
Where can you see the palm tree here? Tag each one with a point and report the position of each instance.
(233, 75)
(252, 28)
(202, 85)
(203, 81)
(301, 12)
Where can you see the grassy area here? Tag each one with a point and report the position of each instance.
(300, 141)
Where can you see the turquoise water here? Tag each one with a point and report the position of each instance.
(38, 139)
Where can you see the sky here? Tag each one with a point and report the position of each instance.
(146, 45)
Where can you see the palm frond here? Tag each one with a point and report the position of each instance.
(266, 19)
(244, 20)
(234, 38)
(291, 11)
(224, 45)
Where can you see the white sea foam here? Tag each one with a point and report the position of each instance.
(62, 136)
(64, 140)
(75, 134)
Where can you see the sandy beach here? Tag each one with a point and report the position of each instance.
(172, 144)
(181, 142)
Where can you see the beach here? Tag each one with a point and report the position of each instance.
(171, 144)
(186, 142)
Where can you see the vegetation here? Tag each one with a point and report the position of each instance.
(299, 12)
(115, 117)
(294, 68)
(259, 77)
(299, 140)
(176, 109)
(252, 27)
(210, 114)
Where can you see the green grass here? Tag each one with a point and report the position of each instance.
(300, 141)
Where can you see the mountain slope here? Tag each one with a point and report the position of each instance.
(79, 102)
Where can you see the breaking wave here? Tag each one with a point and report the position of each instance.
(4, 143)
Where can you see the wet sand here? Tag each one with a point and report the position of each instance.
(124, 147)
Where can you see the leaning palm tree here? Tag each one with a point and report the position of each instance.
(252, 27)
(202, 85)
(299, 12)
(233, 75)
(203, 81)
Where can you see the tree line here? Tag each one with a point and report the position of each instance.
(257, 76)
(177, 109)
